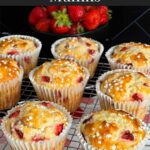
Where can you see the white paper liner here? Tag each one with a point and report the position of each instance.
(52, 144)
(70, 96)
(87, 146)
(91, 67)
(31, 56)
(138, 109)
(115, 65)
(10, 92)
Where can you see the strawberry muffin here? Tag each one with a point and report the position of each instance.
(37, 126)
(61, 81)
(24, 49)
(10, 83)
(130, 56)
(112, 130)
(84, 50)
(124, 89)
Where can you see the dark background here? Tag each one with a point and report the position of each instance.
(127, 24)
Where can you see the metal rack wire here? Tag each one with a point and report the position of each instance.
(72, 143)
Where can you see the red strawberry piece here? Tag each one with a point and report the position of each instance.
(146, 84)
(58, 129)
(19, 133)
(58, 94)
(124, 49)
(76, 28)
(103, 9)
(88, 44)
(51, 9)
(104, 19)
(75, 13)
(38, 138)
(91, 19)
(91, 51)
(45, 79)
(36, 14)
(80, 79)
(14, 114)
(87, 8)
(27, 59)
(127, 135)
(47, 104)
(137, 97)
(43, 25)
(13, 52)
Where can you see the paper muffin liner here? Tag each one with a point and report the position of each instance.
(87, 146)
(90, 66)
(27, 60)
(114, 65)
(138, 109)
(56, 143)
(10, 92)
(69, 97)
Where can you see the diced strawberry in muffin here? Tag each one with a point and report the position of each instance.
(124, 49)
(80, 79)
(45, 79)
(14, 114)
(91, 51)
(13, 52)
(137, 97)
(127, 135)
(47, 104)
(27, 59)
(88, 44)
(58, 129)
(58, 94)
(38, 138)
(19, 133)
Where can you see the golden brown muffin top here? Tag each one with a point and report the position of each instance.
(59, 73)
(126, 86)
(16, 45)
(132, 54)
(9, 69)
(36, 121)
(112, 129)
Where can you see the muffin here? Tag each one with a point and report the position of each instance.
(112, 130)
(61, 81)
(85, 51)
(37, 125)
(124, 89)
(10, 83)
(130, 56)
(24, 49)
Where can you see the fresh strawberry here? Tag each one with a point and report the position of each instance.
(104, 19)
(103, 9)
(38, 138)
(87, 8)
(58, 129)
(127, 135)
(47, 104)
(80, 79)
(51, 9)
(76, 28)
(19, 133)
(91, 19)
(58, 94)
(13, 52)
(91, 51)
(137, 97)
(62, 7)
(43, 25)
(27, 59)
(123, 49)
(76, 13)
(14, 114)
(61, 23)
(45, 78)
(36, 14)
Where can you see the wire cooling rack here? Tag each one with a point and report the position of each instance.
(89, 104)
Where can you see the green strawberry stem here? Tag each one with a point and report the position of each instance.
(109, 13)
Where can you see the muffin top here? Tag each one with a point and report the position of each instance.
(16, 45)
(126, 86)
(36, 121)
(77, 48)
(9, 69)
(112, 130)
(132, 54)
(59, 73)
